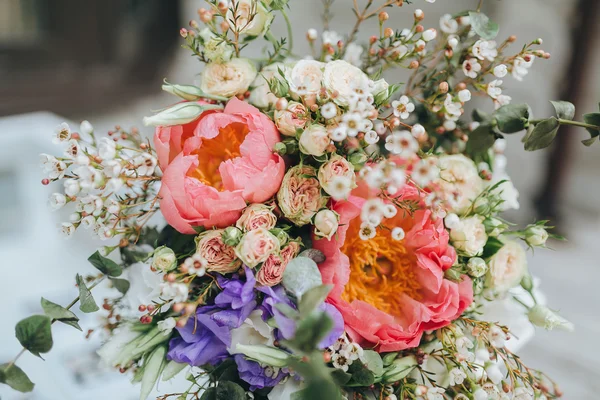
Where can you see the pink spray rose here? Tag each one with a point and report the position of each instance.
(256, 246)
(336, 167)
(256, 216)
(292, 118)
(271, 272)
(219, 257)
(213, 166)
(299, 197)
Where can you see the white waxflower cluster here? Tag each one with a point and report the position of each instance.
(344, 353)
(103, 178)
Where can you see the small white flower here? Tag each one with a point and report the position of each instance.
(112, 168)
(497, 336)
(477, 268)
(398, 233)
(502, 100)
(429, 34)
(493, 88)
(402, 143)
(371, 137)
(464, 95)
(112, 206)
(340, 361)
(331, 37)
(71, 187)
(312, 34)
(105, 232)
(418, 13)
(62, 133)
(453, 41)
(485, 50)
(329, 110)
(166, 326)
(449, 125)
(67, 229)
(520, 67)
(196, 264)
(114, 184)
(354, 351)
(86, 128)
(471, 67)
(403, 107)
(107, 148)
(88, 222)
(340, 187)
(480, 394)
(353, 123)
(500, 71)
(494, 373)
(523, 393)
(178, 292)
(56, 201)
(417, 131)
(367, 231)
(73, 150)
(463, 345)
(373, 211)
(448, 24)
(145, 164)
(457, 376)
(435, 393)
(338, 133)
(424, 173)
(453, 108)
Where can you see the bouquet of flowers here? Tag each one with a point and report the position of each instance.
(328, 235)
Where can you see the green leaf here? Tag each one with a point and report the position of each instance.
(14, 377)
(483, 26)
(480, 116)
(313, 298)
(491, 247)
(340, 377)
(34, 333)
(480, 140)
(361, 376)
(229, 391)
(60, 313)
(122, 285)
(86, 300)
(172, 369)
(301, 275)
(152, 369)
(105, 265)
(373, 362)
(209, 394)
(287, 310)
(564, 109)
(512, 118)
(311, 330)
(542, 134)
(592, 119)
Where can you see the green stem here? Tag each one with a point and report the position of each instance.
(576, 123)
(290, 36)
(479, 5)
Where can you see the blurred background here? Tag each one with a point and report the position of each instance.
(104, 60)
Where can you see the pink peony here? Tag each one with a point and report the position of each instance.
(213, 166)
(391, 291)
(271, 272)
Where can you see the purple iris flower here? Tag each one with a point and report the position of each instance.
(257, 376)
(236, 301)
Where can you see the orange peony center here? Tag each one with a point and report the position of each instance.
(213, 152)
(381, 269)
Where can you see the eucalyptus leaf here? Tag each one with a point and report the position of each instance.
(122, 285)
(314, 254)
(483, 26)
(512, 118)
(105, 265)
(313, 298)
(373, 362)
(152, 369)
(361, 376)
(592, 119)
(86, 300)
(340, 377)
(480, 140)
(35, 334)
(542, 134)
(564, 109)
(14, 377)
(480, 116)
(59, 313)
(301, 275)
(229, 391)
(311, 330)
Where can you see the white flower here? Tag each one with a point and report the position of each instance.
(314, 140)
(312, 34)
(459, 182)
(464, 95)
(105, 232)
(449, 125)
(485, 50)
(402, 143)
(107, 148)
(469, 236)
(542, 316)
(71, 187)
(403, 107)
(494, 373)
(379, 86)
(326, 224)
(497, 336)
(398, 233)
(251, 18)
(493, 89)
(520, 67)
(480, 394)
(86, 128)
(457, 376)
(342, 78)
(88, 222)
(164, 259)
(453, 108)
(435, 393)
(418, 131)
(67, 229)
(506, 190)
(502, 100)
(145, 164)
(329, 110)
(260, 93)
(453, 41)
(536, 235)
(448, 24)
(254, 331)
(178, 292)
(331, 37)
(523, 393)
(471, 67)
(477, 266)
(371, 137)
(56, 201)
(340, 187)
(229, 78)
(353, 54)
(367, 231)
(167, 325)
(372, 211)
(500, 71)
(429, 34)
(424, 172)
(114, 184)
(112, 168)
(340, 361)
(507, 266)
(62, 133)
(73, 150)
(305, 77)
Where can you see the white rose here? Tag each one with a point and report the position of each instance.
(260, 93)
(542, 316)
(536, 235)
(341, 77)
(217, 50)
(254, 331)
(459, 182)
(305, 77)
(284, 390)
(228, 79)
(164, 259)
(507, 267)
(243, 23)
(469, 236)
(314, 140)
(326, 224)
(380, 86)
(506, 190)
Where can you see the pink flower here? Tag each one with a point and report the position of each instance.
(257, 216)
(391, 291)
(337, 166)
(213, 166)
(271, 272)
(292, 118)
(256, 246)
(300, 197)
(219, 257)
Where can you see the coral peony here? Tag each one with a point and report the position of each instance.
(391, 291)
(213, 166)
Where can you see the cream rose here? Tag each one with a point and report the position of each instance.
(256, 246)
(164, 259)
(251, 17)
(305, 77)
(334, 168)
(507, 267)
(229, 78)
(292, 118)
(326, 224)
(257, 216)
(300, 195)
(260, 92)
(341, 77)
(219, 257)
(459, 182)
(468, 236)
(314, 140)
(271, 272)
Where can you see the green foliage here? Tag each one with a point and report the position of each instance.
(512, 118)
(361, 375)
(35, 334)
(311, 330)
(122, 285)
(105, 265)
(87, 304)
(542, 135)
(564, 109)
(59, 313)
(152, 369)
(176, 241)
(14, 377)
(313, 298)
(483, 26)
(491, 247)
(480, 140)
(172, 369)
(301, 275)
(373, 361)
(592, 119)
(225, 391)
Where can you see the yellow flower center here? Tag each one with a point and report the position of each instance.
(381, 270)
(213, 152)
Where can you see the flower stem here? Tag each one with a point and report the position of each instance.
(577, 123)
(289, 32)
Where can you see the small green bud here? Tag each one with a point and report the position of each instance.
(358, 159)
(481, 206)
(281, 235)
(389, 358)
(543, 317)
(231, 236)
(477, 267)
(452, 274)
(280, 148)
(536, 235)
(494, 227)
(527, 283)
(164, 259)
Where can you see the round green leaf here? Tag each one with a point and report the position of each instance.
(14, 377)
(564, 109)
(542, 135)
(34, 333)
(301, 275)
(512, 118)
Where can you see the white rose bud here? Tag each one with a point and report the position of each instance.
(543, 317)
(536, 235)
(228, 79)
(242, 22)
(179, 114)
(326, 224)
(469, 236)
(477, 267)
(507, 267)
(314, 140)
(164, 259)
(86, 128)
